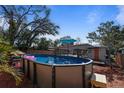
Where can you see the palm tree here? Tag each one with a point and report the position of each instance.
(8, 74)
(22, 32)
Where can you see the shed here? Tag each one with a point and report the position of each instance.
(97, 53)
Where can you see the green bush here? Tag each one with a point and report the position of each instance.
(5, 54)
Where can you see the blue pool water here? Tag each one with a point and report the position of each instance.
(49, 59)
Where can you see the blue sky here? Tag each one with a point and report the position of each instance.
(78, 21)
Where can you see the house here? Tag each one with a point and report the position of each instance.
(72, 49)
(96, 53)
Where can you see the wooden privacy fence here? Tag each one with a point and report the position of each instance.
(120, 59)
(50, 52)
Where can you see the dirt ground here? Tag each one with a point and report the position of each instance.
(115, 77)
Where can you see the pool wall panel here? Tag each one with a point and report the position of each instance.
(69, 77)
(21, 63)
(88, 73)
(44, 76)
(31, 70)
(48, 76)
(26, 67)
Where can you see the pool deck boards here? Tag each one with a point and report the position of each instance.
(98, 80)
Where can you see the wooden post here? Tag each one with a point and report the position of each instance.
(34, 75)
(53, 77)
(28, 69)
(23, 67)
(83, 76)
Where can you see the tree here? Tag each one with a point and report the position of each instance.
(108, 34)
(25, 24)
(44, 44)
(78, 40)
(56, 43)
(5, 49)
(5, 68)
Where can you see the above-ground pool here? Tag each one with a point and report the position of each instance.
(57, 71)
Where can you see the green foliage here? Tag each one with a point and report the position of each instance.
(44, 44)
(22, 32)
(56, 43)
(5, 50)
(108, 34)
(5, 47)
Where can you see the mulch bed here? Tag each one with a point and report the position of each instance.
(26, 83)
(115, 77)
(8, 81)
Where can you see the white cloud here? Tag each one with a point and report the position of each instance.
(3, 23)
(120, 15)
(92, 17)
(52, 37)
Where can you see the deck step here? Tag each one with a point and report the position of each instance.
(98, 80)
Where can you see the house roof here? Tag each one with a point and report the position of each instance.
(75, 46)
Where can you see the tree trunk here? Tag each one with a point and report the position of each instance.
(11, 29)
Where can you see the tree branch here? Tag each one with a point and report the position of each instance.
(4, 8)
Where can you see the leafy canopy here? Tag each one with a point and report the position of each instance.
(26, 23)
(108, 34)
